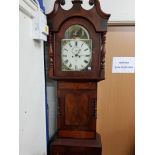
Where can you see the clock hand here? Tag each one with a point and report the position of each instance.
(83, 55)
(77, 54)
(79, 50)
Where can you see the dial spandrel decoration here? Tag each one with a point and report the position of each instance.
(76, 49)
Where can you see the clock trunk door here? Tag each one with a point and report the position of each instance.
(76, 109)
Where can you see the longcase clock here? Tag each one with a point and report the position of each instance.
(76, 50)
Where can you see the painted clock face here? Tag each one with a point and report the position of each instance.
(76, 49)
(76, 55)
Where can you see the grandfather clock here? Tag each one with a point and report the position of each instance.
(76, 49)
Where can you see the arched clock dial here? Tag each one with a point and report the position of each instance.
(76, 55)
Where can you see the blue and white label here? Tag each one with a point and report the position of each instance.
(123, 65)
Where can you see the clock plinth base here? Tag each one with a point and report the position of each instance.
(65, 146)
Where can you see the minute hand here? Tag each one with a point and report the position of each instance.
(83, 55)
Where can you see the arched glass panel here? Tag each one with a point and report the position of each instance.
(76, 32)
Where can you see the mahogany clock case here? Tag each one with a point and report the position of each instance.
(76, 90)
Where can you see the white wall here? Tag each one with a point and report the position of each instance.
(32, 128)
(120, 10)
(52, 107)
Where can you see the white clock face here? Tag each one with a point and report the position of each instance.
(76, 55)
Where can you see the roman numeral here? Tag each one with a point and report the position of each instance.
(70, 65)
(86, 61)
(75, 43)
(70, 45)
(87, 55)
(66, 61)
(86, 49)
(76, 67)
(64, 55)
(65, 49)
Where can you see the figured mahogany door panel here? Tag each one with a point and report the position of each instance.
(77, 109)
